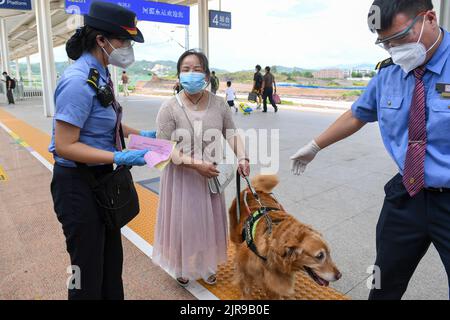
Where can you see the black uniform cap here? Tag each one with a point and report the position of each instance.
(113, 19)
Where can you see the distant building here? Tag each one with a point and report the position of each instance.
(329, 74)
(362, 71)
(160, 70)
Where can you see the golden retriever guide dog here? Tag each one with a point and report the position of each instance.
(279, 253)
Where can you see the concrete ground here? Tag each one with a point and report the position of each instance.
(340, 194)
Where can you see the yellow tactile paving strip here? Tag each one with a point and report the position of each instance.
(144, 225)
(3, 176)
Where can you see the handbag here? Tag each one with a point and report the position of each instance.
(216, 185)
(114, 193)
(276, 98)
(252, 96)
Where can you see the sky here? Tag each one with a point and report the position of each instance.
(310, 34)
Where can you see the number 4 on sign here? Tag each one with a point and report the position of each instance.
(216, 20)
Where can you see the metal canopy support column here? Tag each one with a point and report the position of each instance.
(4, 47)
(445, 14)
(186, 38)
(29, 73)
(4, 50)
(203, 18)
(45, 42)
(114, 78)
(17, 70)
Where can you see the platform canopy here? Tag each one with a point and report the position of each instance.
(22, 31)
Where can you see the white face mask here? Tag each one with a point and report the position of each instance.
(120, 57)
(412, 55)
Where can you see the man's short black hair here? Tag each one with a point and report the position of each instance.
(268, 69)
(4, 72)
(124, 71)
(258, 67)
(213, 72)
(229, 83)
(389, 9)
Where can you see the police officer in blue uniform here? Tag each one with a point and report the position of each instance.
(86, 131)
(410, 99)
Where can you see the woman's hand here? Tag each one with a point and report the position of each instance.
(207, 170)
(244, 168)
(130, 157)
(148, 134)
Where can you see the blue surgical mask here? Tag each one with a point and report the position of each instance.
(193, 82)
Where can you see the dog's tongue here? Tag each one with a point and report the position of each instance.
(323, 282)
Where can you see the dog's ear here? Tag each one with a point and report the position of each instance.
(290, 248)
(292, 251)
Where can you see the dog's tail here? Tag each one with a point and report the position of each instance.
(265, 183)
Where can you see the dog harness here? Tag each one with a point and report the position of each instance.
(249, 231)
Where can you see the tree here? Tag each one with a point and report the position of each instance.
(356, 74)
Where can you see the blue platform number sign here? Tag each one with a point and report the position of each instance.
(219, 19)
(145, 10)
(16, 4)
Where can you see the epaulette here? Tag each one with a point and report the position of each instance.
(385, 63)
(93, 79)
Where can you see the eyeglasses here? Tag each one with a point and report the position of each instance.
(126, 43)
(386, 43)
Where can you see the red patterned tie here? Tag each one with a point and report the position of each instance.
(414, 173)
(118, 109)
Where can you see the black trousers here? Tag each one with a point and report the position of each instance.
(94, 249)
(268, 93)
(10, 96)
(406, 228)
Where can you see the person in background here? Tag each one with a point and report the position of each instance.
(177, 87)
(268, 86)
(230, 96)
(10, 85)
(125, 82)
(215, 83)
(257, 85)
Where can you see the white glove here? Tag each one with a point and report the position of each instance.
(304, 156)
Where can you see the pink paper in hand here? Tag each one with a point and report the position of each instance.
(160, 150)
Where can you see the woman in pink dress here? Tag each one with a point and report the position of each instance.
(192, 232)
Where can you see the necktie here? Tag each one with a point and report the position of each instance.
(414, 172)
(118, 109)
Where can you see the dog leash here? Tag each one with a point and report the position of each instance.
(256, 196)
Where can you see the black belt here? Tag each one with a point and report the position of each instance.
(439, 190)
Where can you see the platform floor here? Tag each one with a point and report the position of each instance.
(340, 195)
(33, 261)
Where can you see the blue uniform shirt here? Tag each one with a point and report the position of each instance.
(76, 103)
(388, 100)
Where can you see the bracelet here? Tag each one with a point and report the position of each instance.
(243, 158)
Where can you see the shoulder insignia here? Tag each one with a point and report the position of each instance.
(385, 63)
(93, 79)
